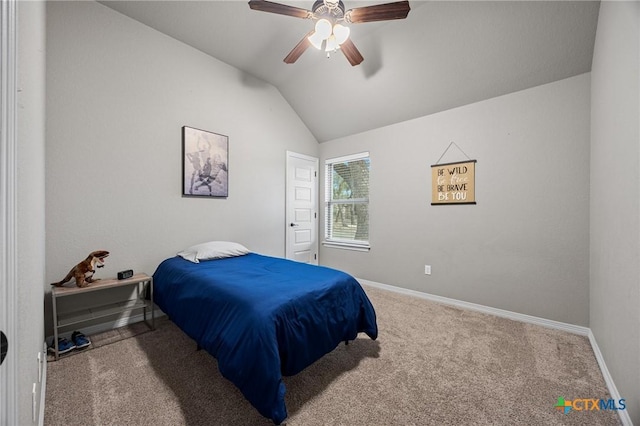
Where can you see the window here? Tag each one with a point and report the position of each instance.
(347, 201)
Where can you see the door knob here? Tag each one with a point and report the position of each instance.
(294, 224)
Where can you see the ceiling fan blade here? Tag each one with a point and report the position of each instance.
(351, 52)
(297, 51)
(380, 12)
(280, 9)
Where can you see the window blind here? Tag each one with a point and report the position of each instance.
(347, 200)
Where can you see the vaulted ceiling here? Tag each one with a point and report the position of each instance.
(444, 55)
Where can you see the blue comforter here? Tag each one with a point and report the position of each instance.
(263, 317)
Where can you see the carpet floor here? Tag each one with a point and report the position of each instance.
(432, 364)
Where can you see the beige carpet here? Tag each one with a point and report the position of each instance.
(431, 365)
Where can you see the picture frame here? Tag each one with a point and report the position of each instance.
(205, 160)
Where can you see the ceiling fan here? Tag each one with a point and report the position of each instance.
(329, 33)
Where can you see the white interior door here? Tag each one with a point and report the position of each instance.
(302, 208)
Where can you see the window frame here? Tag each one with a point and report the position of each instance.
(342, 243)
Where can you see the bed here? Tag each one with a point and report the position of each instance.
(262, 317)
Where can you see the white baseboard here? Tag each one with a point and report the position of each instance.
(570, 328)
(43, 385)
(613, 391)
(574, 329)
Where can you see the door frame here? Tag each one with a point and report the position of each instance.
(8, 208)
(316, 160)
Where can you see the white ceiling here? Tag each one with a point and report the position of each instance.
(444, 55)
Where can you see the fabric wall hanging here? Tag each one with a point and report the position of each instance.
(453, 183)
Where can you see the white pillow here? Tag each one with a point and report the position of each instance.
(213, 250)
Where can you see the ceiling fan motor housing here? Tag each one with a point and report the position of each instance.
(328, 9)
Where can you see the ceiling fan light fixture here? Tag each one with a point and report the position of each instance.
(323, 28)
(316, 40)
(326, 13)
(332, 44)
(341, 32)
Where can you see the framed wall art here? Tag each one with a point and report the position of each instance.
(205, 159)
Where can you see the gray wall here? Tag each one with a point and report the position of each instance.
(615, 196)
(525, 246)
(31, 200)
(118, 93)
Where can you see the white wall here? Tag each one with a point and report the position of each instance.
(118, 94)
(524, 246)
(31, 200)
(615, 196)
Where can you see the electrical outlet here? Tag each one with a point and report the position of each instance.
(427, 269)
